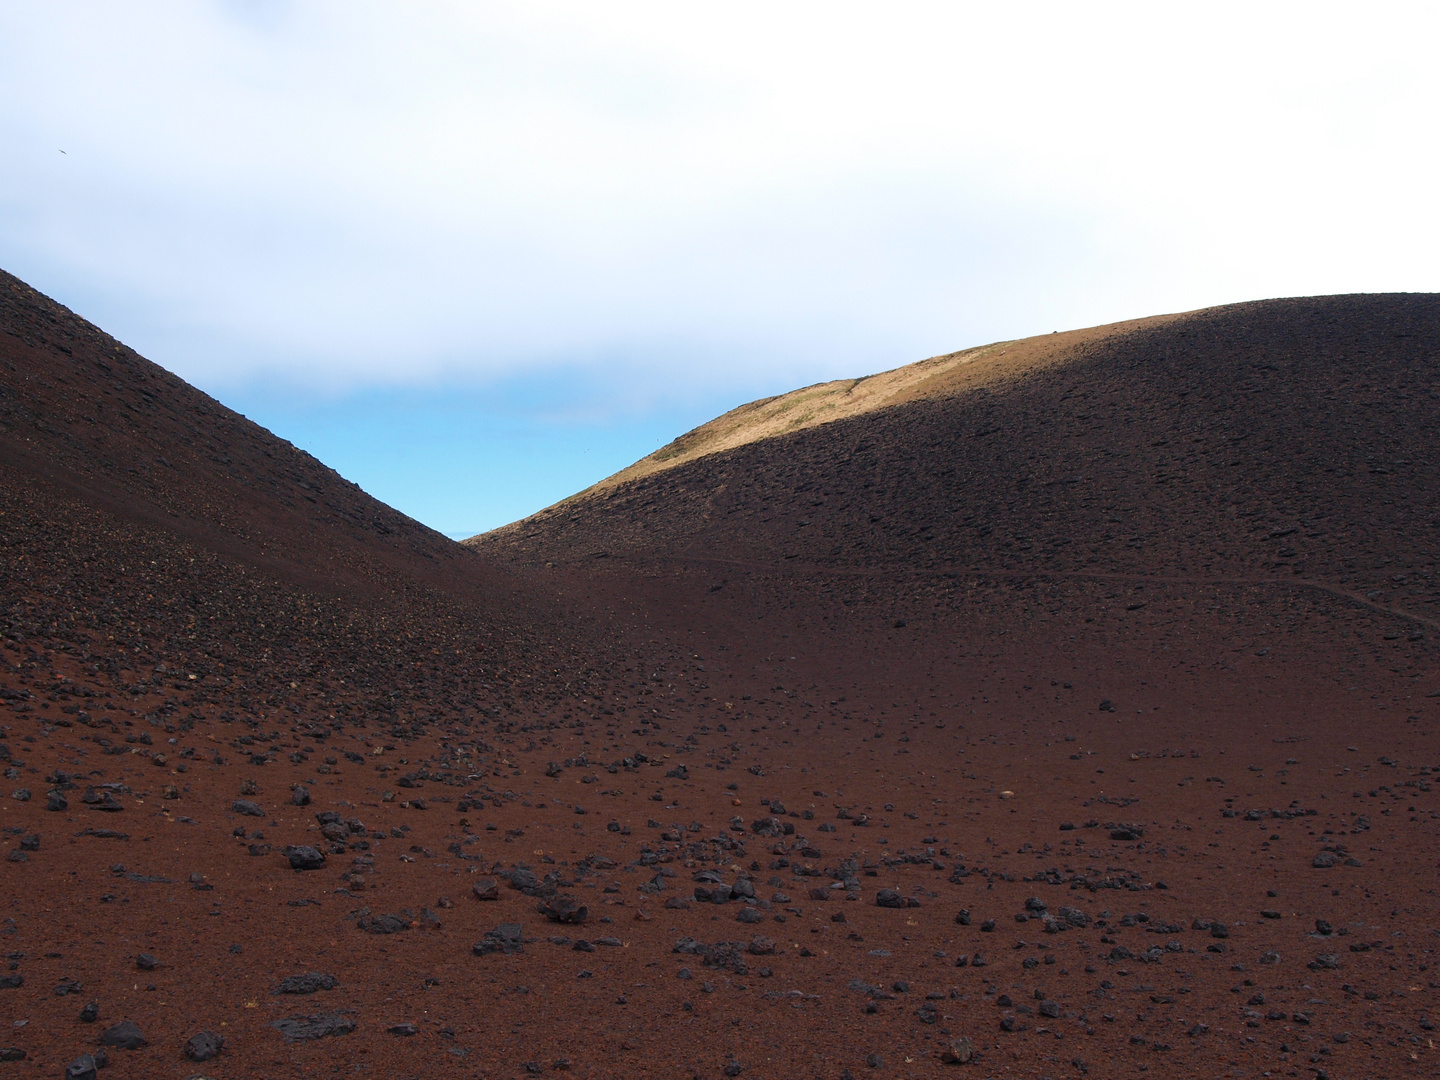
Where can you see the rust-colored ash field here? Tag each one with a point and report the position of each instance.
(1061, 708)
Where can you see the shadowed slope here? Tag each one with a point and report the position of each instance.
(145, 527)
(92, 416)
(1284, 438)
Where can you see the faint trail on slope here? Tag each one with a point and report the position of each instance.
(1062, 575)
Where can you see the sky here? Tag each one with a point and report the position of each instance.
(477, 256)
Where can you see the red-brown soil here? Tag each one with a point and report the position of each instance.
(900, 625)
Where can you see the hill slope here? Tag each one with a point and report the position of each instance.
(1281, 438)
(986, 366)
(89, 414)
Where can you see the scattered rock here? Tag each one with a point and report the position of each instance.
(298, 1028)
(507, 938)
(726, 956)
(309, 983)
(564, 909)
(959, 1052)
(304, 857)
(101, 800)
(124, 1035)
(203, 1046)
(486, 889)
(383, 924)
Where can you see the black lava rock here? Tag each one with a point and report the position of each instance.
(564, 909)
(203, 1046)
(384, 924)
(124, 1035)
(308, 983)
(304, 857)
(507, 938)
(297, 1028)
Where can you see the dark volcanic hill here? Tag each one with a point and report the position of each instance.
(145, 523)
(1256, 441)
(89, 415)
(1062, 707)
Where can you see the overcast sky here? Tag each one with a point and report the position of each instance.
(477, 256)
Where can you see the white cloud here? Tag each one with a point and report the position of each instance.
(345, 194)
